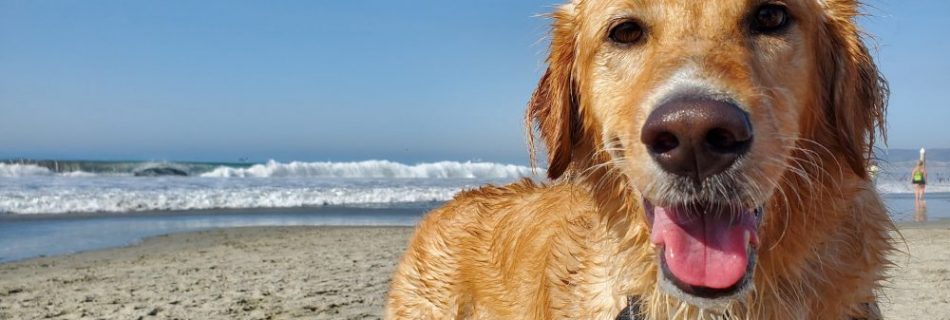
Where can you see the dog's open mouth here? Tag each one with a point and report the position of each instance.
(705, 250)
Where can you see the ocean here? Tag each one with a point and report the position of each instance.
(101, 187)
(60, 207)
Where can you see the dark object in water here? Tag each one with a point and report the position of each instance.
(160, 171)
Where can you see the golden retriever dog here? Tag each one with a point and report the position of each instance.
(707, 160)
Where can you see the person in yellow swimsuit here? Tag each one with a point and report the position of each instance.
(919, 179)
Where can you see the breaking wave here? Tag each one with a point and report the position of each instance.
(274, 169)
(376, 169)
(22, 170)
(60, 187)
(89, 199)
(47, 187)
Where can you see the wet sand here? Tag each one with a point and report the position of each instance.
(317, 273)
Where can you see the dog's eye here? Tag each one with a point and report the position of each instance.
(627, 32)
(770, 18)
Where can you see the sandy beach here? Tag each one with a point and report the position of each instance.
(240, 273)
(317, 273)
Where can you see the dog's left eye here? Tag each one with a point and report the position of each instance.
(770, 18)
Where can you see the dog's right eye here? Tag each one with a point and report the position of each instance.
(627, 32)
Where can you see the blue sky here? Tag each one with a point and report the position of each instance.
(335, 80)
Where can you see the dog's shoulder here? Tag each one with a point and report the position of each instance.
(525, 201)
(501, 247)
(522, 212)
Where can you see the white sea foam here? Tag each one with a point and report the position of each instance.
(32, 170)
(907, 187)
(78, 174)
(22, 170)
(32, 189)
(274, 169)
(895, 177)
(376, 169)
(86, 199)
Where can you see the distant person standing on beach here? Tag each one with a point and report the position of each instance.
(919, 179)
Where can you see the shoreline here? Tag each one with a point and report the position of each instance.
(322, 272)
(899, 204)
(324, 216)
(942, 223)
(414, 206)
(903, 225)
(172, 237)
(23, 238)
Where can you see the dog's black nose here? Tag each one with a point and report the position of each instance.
(697, 138)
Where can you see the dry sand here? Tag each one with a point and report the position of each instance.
(919, 287)
(242, 273)
(314, 273)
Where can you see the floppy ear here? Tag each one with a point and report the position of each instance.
(554, 103)
(855, 93)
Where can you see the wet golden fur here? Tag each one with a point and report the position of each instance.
(576, 247)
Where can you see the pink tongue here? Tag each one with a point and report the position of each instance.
(704, 249)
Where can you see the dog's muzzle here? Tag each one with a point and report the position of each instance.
(705, 246)
(696, 137)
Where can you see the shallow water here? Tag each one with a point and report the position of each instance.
(27, 236)
(901, 206)
(23, 237)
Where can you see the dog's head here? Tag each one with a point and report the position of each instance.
(703, 108)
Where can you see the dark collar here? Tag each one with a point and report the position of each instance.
(632, 311)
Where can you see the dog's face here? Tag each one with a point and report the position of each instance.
(700, 106)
